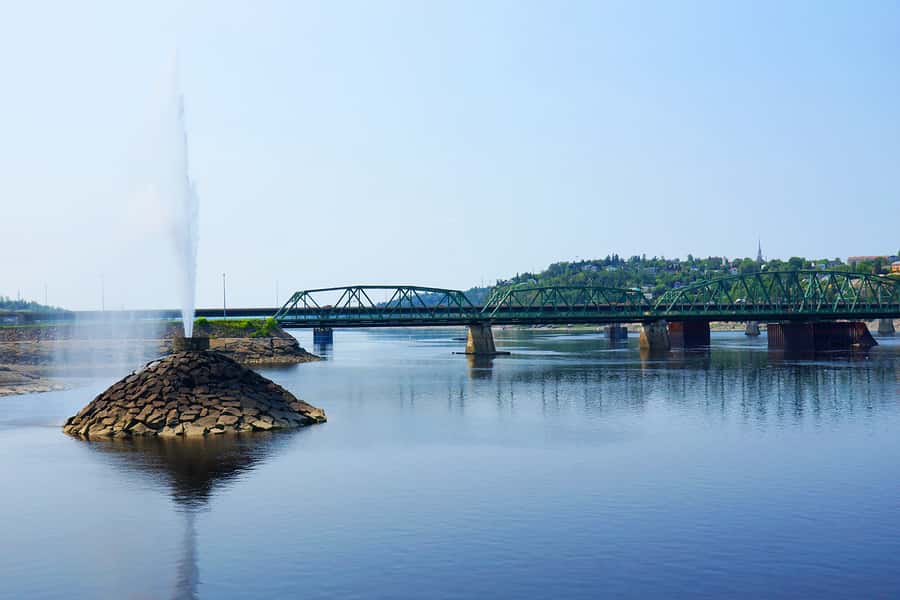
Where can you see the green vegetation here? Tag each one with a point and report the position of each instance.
(256, 328)
(7, 303)
(654, 276)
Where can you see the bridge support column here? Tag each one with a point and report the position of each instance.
(689, 334)
(752, 328)
(617, 332)
(886, 327)
(655, 336)
(820, 336)
(480, 340)
(323, 335)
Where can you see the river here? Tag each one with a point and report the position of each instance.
(572, 468)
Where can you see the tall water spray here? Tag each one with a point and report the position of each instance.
(177, 187)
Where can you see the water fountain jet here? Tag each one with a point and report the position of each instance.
(176, 186)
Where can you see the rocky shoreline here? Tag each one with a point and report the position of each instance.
(24, 381)
(191, 394)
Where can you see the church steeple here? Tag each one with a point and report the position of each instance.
(759, 256)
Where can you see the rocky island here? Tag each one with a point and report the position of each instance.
(191, 393)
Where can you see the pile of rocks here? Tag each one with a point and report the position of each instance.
(191, 393)
(265, 351)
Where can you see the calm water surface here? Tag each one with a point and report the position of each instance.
(571, 469)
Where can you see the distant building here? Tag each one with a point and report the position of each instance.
(733, 270)
(854, 260)
(895, 266)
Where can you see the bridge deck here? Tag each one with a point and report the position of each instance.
(574, 315)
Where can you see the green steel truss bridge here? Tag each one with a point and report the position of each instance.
(765, 296)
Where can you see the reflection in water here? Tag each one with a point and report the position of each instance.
(192, 470)
(323, 349)
(480, 367)
(756, 385)
(187, 573)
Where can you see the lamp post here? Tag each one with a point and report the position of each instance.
(224, 309)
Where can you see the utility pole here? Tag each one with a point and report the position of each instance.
(224, 311)
(276, 293)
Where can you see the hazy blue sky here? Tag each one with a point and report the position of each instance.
(441, 143)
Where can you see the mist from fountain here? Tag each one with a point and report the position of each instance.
(175, 186)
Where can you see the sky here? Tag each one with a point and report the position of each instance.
(439, 143)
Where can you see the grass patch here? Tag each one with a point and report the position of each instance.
(224, 328)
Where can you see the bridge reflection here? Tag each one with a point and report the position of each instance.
(750, 386)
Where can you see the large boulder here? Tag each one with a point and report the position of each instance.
(191, 393)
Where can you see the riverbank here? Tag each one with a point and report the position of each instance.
(39, 358)
(25, 380)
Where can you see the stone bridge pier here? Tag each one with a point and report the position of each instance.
(617, 332)
(655, 336)
(660, 336)
(886, 327)
(480, 340)
(689, 334)
(820, 336)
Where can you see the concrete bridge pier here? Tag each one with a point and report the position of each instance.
(752, 328)
(820, 336)
(480, 340)
(886, 327)
(617, 332)
(655, 336)
(689, 334)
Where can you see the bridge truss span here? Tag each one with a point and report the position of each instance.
(565, 304)
(785, 295)
(375, 306)
(764, 296)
